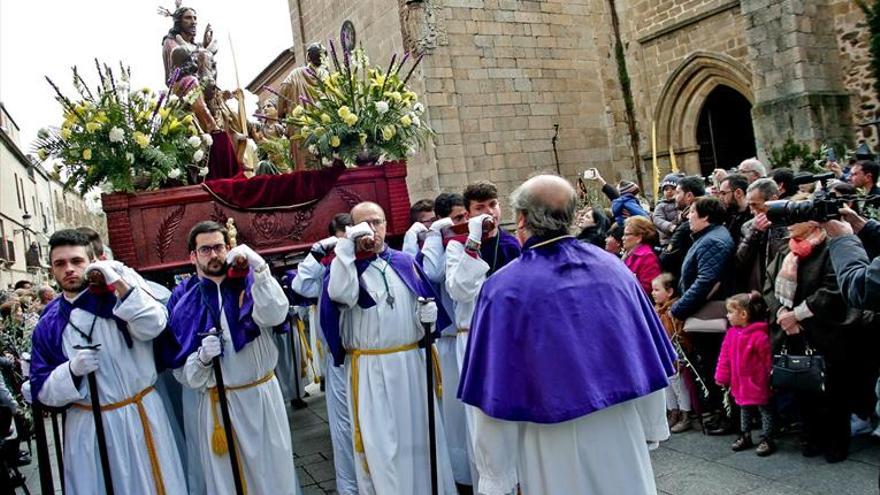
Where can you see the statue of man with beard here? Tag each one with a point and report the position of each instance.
(183, 34)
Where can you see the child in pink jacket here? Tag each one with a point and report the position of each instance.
(744, 366)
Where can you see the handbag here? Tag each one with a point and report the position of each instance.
(711, 318)
(803, 373)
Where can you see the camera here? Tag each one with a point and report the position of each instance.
(822, 208)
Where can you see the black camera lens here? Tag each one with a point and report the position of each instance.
(785, 212)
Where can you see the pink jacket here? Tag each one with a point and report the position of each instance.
(644, 263)
(745, 363)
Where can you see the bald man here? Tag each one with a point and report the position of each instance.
(579, 416)
(373, 322)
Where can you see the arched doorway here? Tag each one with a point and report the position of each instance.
(724, 130)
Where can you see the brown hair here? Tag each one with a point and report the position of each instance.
(752, 302)
(643, 227)
(481, 190)
(667, 280)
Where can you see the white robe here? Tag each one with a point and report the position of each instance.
(434, 264)
(309, 282)
(258, 414)
(464, 279)
(392, 397)
(123, 372)
(604, 452)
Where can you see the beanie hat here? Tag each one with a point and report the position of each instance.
(669, 180)
(627, 187)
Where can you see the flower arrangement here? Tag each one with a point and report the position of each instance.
(122, 140)
(359, 114)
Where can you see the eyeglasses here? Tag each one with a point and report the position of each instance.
(207, 250)
(375, 222)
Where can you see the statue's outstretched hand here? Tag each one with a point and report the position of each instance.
(209, 36)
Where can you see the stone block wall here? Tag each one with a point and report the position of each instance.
(853, 39)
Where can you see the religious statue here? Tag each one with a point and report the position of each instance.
(232, 232)
(295, 86)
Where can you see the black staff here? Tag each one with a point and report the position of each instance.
(224, 412)
(428, 342)
(56, 433)
(99, 423)
(555, 153)
(45, 467)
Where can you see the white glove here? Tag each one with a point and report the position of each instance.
(110, 269)
(26, 391)
(85, 361)
(254, 260)
(324, 246)
(475, 227)
(360, 230)
(427, 311)
(441, 224)
(210, 349)
(416, 228)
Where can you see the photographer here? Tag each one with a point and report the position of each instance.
(857, 273)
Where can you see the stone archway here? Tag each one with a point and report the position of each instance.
(683, 97)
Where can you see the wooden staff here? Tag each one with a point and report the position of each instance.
(99, 424)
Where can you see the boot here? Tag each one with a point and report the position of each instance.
(684, 424)
(673, 416)
(742, 443)
(765, 448)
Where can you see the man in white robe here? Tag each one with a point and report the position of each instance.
(373, 296)
(308, 283)
(245, 303)
(122, 319)
(565, 364)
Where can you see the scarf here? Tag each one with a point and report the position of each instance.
(786, 280)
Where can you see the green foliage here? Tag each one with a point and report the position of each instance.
(360, 114)
(872, 13)
(110, 135)
(799, 156)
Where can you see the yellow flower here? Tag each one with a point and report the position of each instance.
(187, 119)
(92, 127)
(325, 118)
(388, 132)
(102, 118)
(394, 95)
(409, 95)
(163, 112)
(298, 110)
(87, 154)
(141, 139)
(65, 133)
(334, 141)
(379, 80)
(343, 111)
(363, 138)
(174, 124)
(350, 119)
(405, 121)
(42, 154)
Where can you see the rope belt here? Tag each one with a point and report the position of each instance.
(462, 330)
(305, 357)
(218, 436)
(458, 331)
(137, 400)
(355, 355)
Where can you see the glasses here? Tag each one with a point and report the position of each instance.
(207, 250)
(375, 222)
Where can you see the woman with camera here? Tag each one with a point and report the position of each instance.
(809, 315)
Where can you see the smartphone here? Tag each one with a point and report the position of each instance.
(591, 174)
(831, 155)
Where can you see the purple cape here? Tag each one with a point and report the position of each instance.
(295, 298)
(197, 311)
(499, 251)
(47, 351)
(563, 331)
(405, 266)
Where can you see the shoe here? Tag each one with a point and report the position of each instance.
(765, 448)
(723, 427)
(653, 445)
(742, 443)
(673, 416)
(810, 450)
(683, 425)
(835, 457)
(297, 404)
(859, 426)
(876, 432)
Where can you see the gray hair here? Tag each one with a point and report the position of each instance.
(541, 217)
(767, 187)
(753, 165)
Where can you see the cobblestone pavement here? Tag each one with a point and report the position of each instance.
(687, 464)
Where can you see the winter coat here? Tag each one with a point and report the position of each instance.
(644, 263)
(707, 263)
(755, 251)
(857, 274)
(627, 202)
(676, 249)
(666, 218)
(745, 362)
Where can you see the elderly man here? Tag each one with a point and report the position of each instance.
(760, 241)
(577, 419)
(372, 320)
(106, 327)
(752, 169)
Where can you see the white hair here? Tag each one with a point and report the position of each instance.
(753, 165)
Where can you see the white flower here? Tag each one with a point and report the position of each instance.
(173, 98)
(129, 157)
(381, 107)
(116, 135)
(203, 171)
(382, 159)
(208, 140)
(418, 108)
(326, 161)
(194, 141)
(198, 155)
(174, 173)
(416, 120)
(313, 149)
(411, 152)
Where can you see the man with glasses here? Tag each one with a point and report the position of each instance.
(373, 321)
(752, 169)
(732, 193)
(231, 312)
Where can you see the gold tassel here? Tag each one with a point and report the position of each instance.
(218, 436)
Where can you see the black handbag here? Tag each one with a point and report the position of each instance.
(803, 373)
